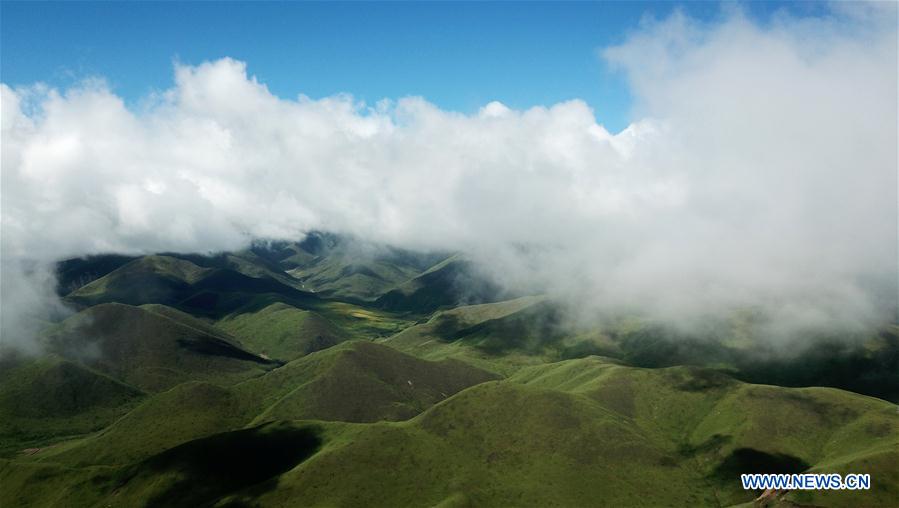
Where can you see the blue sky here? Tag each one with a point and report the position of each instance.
(458, 55)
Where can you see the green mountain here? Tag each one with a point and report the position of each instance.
(247, 262)
(532, 330)
(188, 411)
(334, 372)
(72, 274)
(346, 268)
(358, 382)
(283, 332)
(725, 427)
(502, 336)
(150, 350)
(45, 398)
(354, 382)
(574, 433)
(183, 284)
(454, 281)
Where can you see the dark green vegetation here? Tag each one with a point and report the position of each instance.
(75, 273)
(335, 373)
(150, 350)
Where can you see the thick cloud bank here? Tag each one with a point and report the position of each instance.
(763, 173)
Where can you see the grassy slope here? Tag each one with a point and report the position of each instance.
(149, 350)
(493, 336)
(710, 420)
(349, 320)
(188, 411)
(589, 432)
(201, 325)
(43, 399)
(862, 362)
(246, 262)
(74, 273)
(215, 290)
(358, 382)
(540, 333)
(562, 450)
(355, 381)
(150, 279)
(568, 433)
(347, 268)
(452, 282)
(195, 473)
(363, 322)
(347, 277)
(573, 433)
(283, 332)
(224, 290)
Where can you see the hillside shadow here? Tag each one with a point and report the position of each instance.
(210, 468)
(749, 460)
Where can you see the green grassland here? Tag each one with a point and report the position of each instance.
(715, 421)
(504, 336)
(406, 380)
(44, 399)
(148, 350)
(356, 381)
(150, 279)
(451, 282)
(501, 336)
(283, 332)
(582, 432)
(208, 291)
(75, 273)
(351, 279)
(346, 269)
(238, 297)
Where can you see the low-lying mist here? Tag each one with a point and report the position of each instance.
(761, 176)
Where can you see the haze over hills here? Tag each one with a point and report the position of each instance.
(269, 393)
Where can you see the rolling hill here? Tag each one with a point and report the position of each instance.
(501, 336)
(283, 332)
(581, 432)
(358, 382)
(149, 279)
(150, 350)
(74, 273)
(354, 382)
(344, 267)
(45, 398)
(179, 283)
(452, 282)
(409, 379)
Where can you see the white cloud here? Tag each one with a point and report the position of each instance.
(762, 172)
